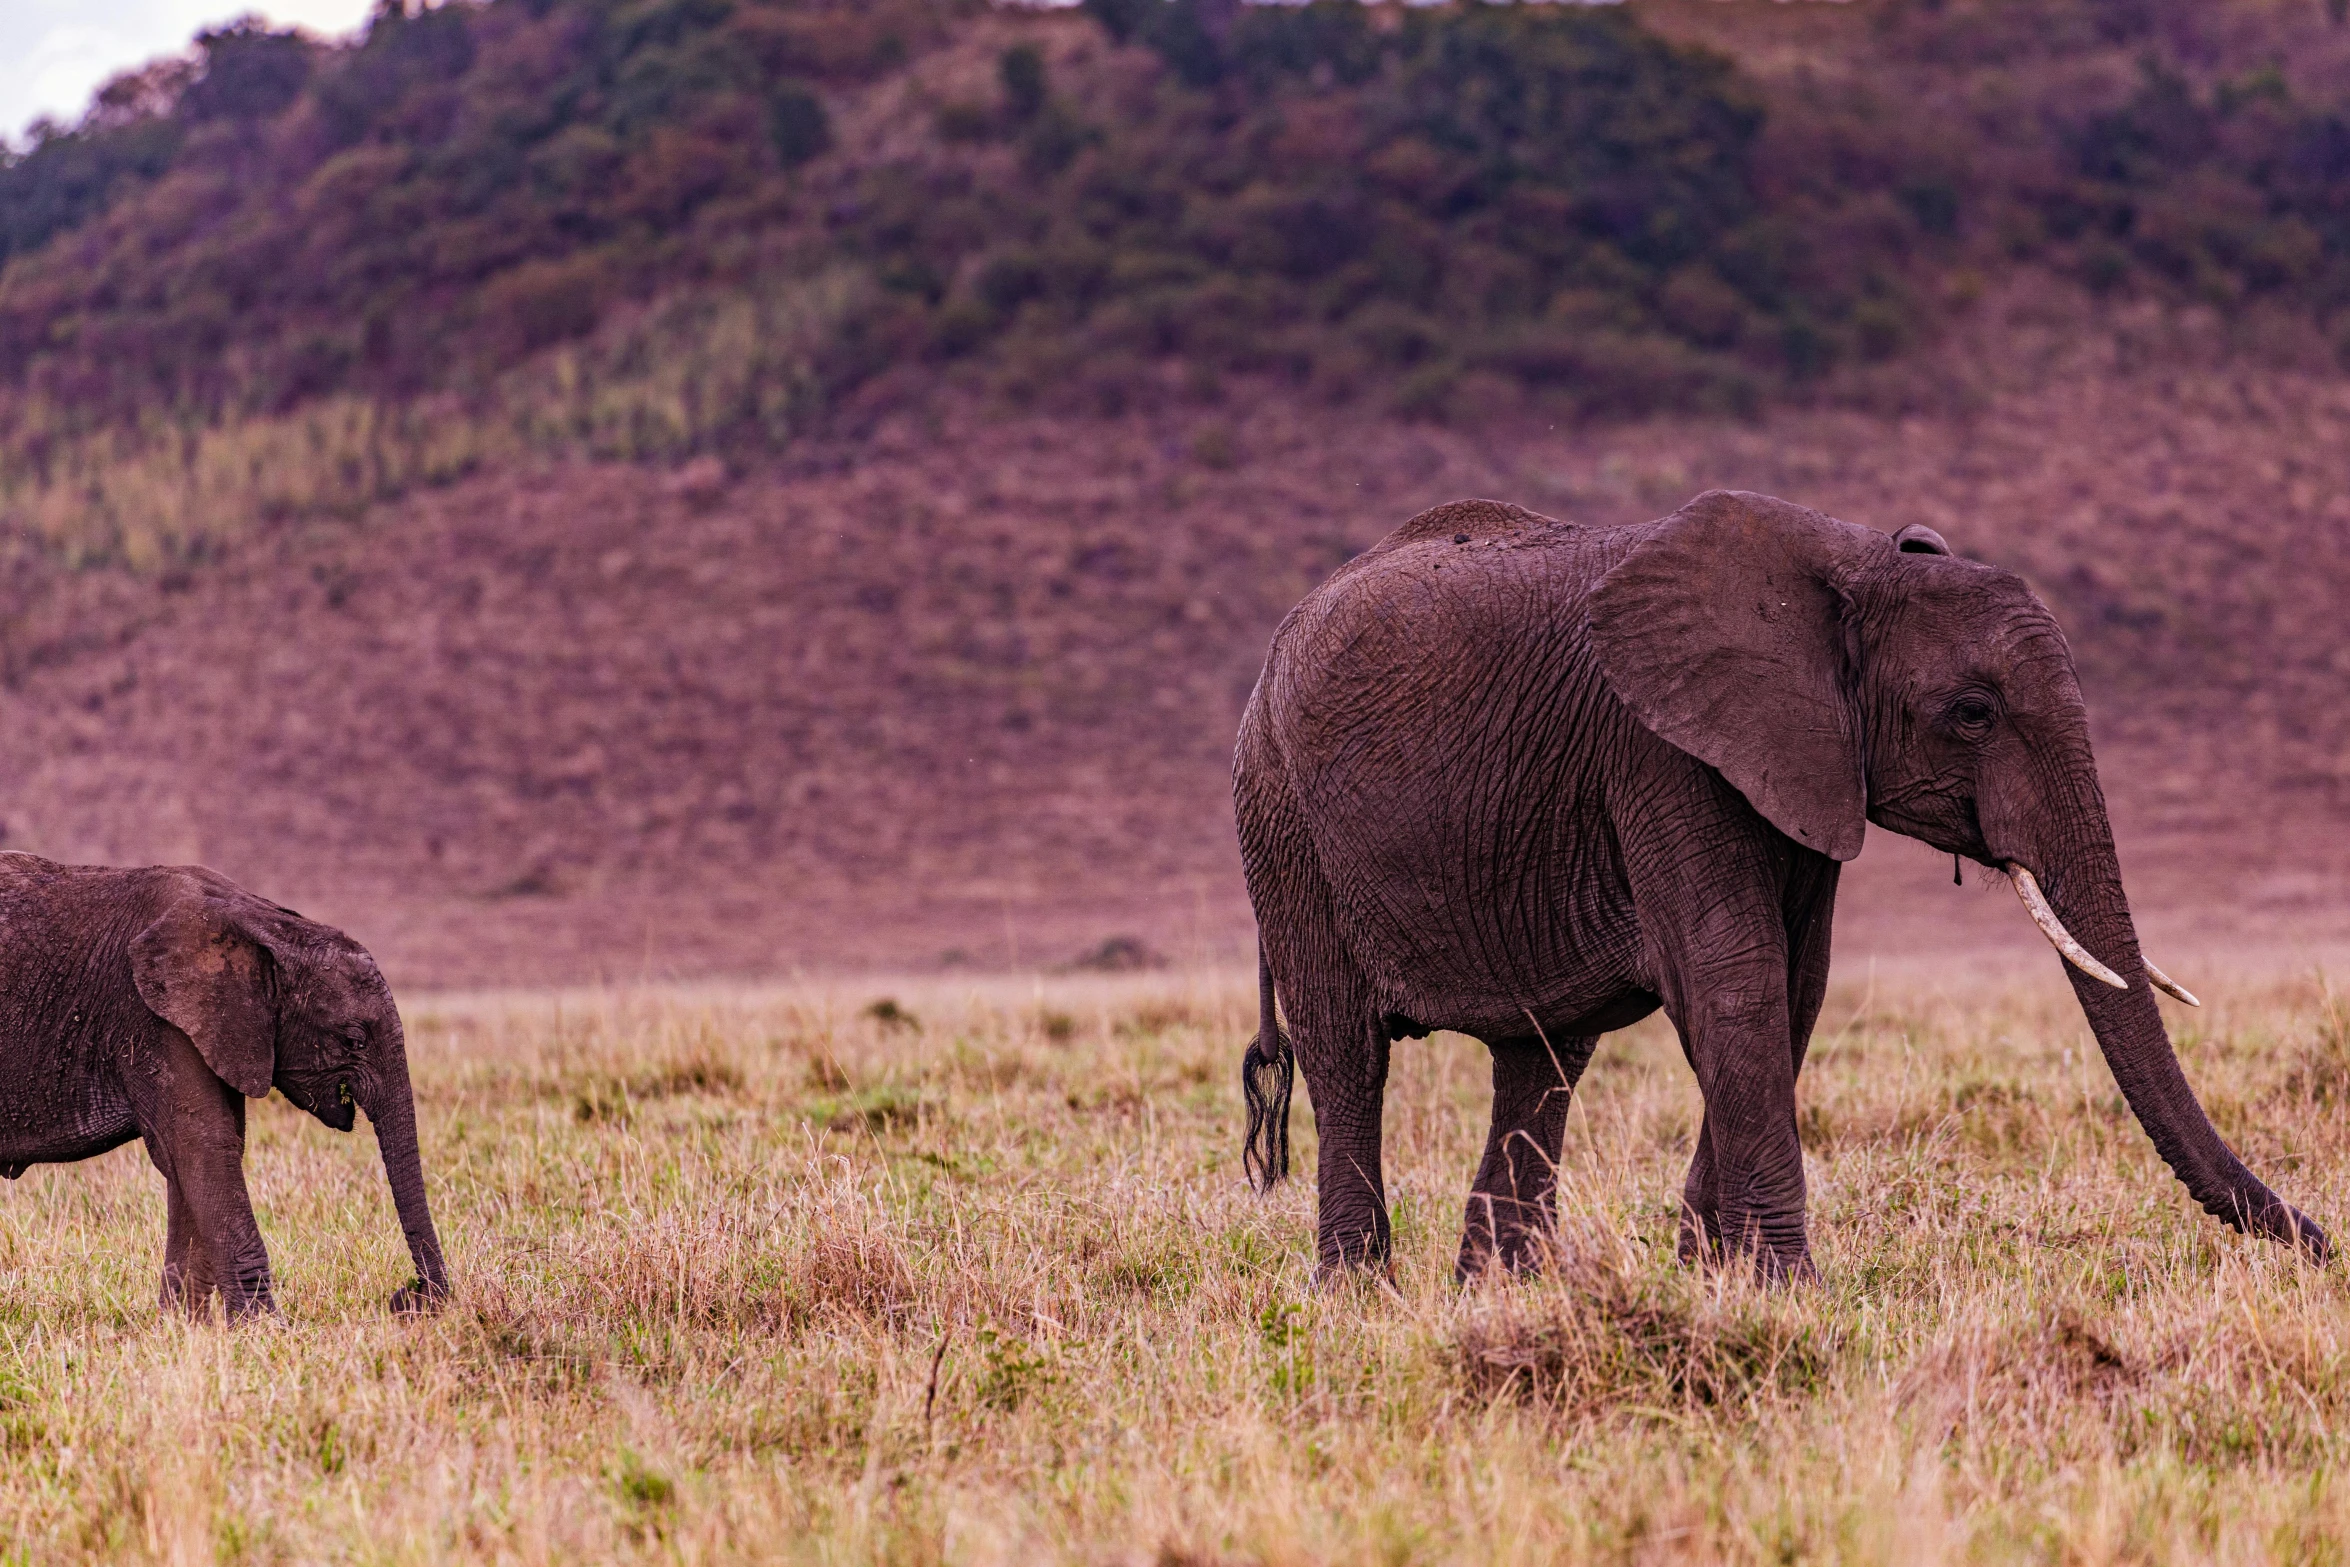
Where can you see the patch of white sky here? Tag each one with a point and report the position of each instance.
(55, 54)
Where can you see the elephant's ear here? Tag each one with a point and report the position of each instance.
(1725, 633)
(198, 971)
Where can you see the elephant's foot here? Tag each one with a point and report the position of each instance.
(1491, 1242)
(1364, 1276)
(1701, 1236)
(1702, 1244)
(252, 1299)
(1357, 1251)
(1781, 1267)
(1771, 1266)
(417, 1297)
(1533, 1254)
(182, 1296)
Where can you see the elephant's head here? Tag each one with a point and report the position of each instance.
(271, 999)
(1835, 675)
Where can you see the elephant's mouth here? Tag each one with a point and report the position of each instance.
(333, 1102)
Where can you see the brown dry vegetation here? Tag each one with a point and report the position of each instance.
(286, 277)
(966, 692)
(782, 1275)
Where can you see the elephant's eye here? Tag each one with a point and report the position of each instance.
(1972, 713)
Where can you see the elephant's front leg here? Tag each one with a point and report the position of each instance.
(224, 1215)
(1748, 1152)
(1513, 1205)
(1711, 883)
(1701, 1203)
(1811, 906)
(187, 1262)
(202, 1129)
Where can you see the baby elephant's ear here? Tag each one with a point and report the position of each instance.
(198, 972)
(1725, 633)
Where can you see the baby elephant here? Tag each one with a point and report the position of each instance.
(153, 1003)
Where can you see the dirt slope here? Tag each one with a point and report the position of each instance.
(964, 693)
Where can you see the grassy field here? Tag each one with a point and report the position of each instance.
(970, 1275)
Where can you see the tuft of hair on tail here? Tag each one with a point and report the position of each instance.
(1266, 1075)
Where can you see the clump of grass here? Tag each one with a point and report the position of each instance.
(857, 1273)
(1011, 1369)
(1160, 1015)
(700, 1071)
(612, 1097)
(825, 1072)
(878, 1109)
(2321, 1070)
(1117, 955)
(603, 1101)
(1602, 1332)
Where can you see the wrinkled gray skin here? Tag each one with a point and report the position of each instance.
(1530, 781)
(152, 1003)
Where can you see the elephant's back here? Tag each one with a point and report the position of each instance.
(65, 930)
(33, 888)
(1436, 714)
(1463, 605)
(1458, 522)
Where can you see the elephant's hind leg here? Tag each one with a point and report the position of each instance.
(1343, 1055)
(1513, 1205)
(1335, 1024)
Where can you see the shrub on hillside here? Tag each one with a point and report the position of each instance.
(1418, 204)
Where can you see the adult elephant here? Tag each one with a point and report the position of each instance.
(1530, 781)
(152, 1002)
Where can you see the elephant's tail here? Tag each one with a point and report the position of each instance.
(1266, 1075)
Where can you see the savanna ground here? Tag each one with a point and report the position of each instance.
(967, 1272)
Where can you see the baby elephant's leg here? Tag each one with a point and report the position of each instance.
(224, 1213)
(203, 1129)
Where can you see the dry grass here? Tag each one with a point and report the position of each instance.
(783, 1275)
(703, 369)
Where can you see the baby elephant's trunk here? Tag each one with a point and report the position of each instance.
(391, 1109)
(1266, 1074)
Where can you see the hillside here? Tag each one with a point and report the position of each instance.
(290, 277)
(966, 692)
(826, 589)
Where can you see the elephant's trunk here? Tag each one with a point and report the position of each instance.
(390, 1104)
(2081, 877)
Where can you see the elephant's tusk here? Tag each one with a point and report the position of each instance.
(2035, 903)
(2167, 985)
